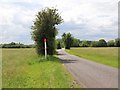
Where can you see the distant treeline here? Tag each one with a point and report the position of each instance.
(100, 43)
(86, 43)
(75, 43)
(16, 45)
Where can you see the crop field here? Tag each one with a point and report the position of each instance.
(107, 55)
(23, 68)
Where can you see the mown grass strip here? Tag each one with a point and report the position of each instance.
(107, 56)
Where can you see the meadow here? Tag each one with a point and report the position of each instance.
(103, 55)
(23, 68)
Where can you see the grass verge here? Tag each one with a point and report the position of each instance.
(22, 68)
(107, 55)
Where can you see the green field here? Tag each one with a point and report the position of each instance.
(107, 55)
(22, 68)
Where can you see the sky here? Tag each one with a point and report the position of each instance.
(84, 19)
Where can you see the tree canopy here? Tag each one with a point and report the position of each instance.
(110, 43)
(67, 39)
(117, 42)
(44, 27)
(102, 43)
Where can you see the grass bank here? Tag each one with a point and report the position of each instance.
(107, 55)
(22, 68)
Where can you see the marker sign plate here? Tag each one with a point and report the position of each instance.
(44, 39)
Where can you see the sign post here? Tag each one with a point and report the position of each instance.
(45, 47)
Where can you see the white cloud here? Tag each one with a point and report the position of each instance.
(90, 19)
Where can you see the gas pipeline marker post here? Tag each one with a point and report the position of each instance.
(45, 48)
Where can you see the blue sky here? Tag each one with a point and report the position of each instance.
(85, 19)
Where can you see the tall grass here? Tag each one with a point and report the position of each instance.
(22, 68)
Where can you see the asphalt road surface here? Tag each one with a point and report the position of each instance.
(89, 74)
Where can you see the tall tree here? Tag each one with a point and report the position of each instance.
(102, 43)
(64, 38)
(111, 43)
(84, 43)
(68, 40)
(44, 27)
(58, 45)
(76, 42)
(117, 42)
(95, 44)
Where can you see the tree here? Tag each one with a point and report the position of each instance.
(64, 38)
(76, 42)
(84, 44)
(44, 27)
(68, 40)
(117, 42)
(58, 45)
(110, 43)
(102, 43)
(95, 44)
(12, 43)
(61, 42)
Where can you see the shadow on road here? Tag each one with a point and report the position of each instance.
(68, 61)
(60, 54)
